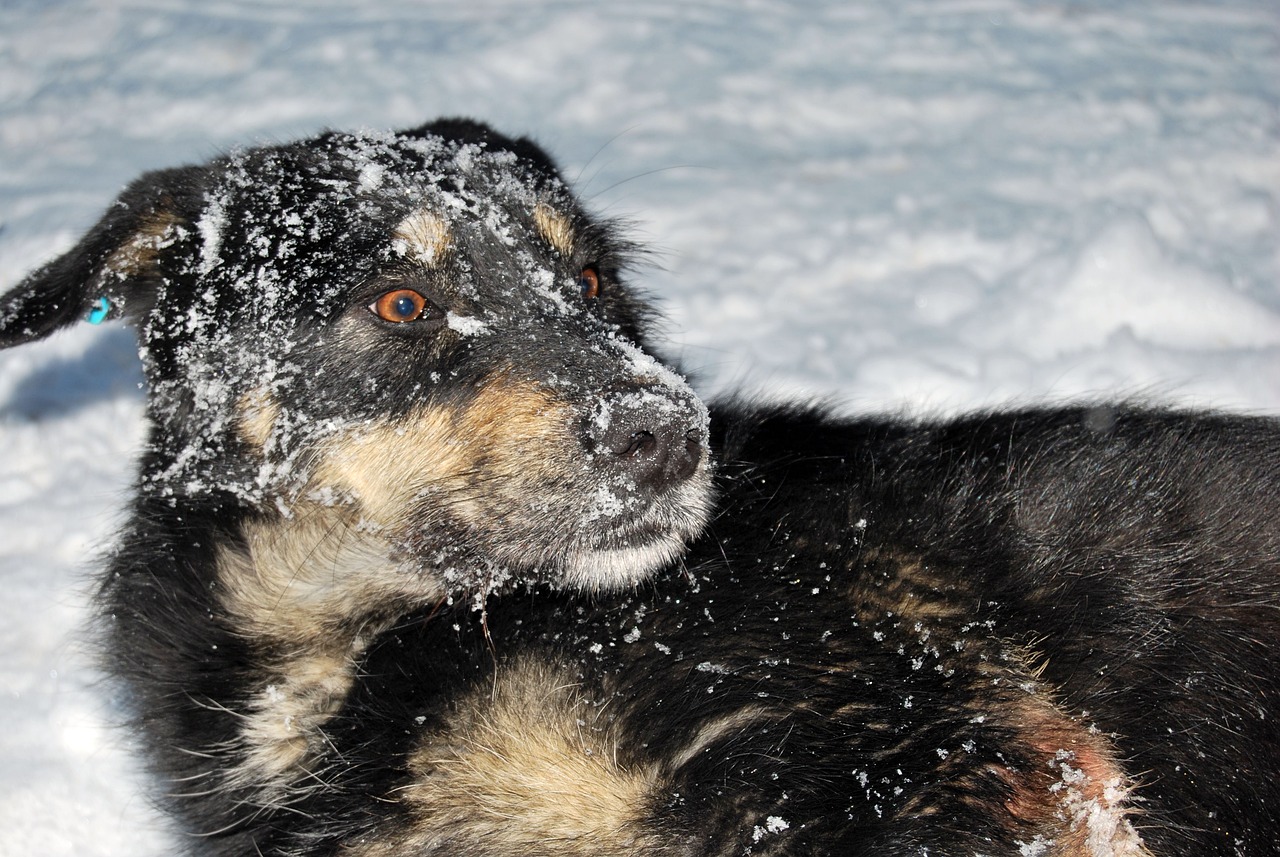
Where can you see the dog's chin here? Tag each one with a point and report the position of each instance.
(639, 548)
(603, 569)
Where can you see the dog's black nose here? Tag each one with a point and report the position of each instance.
(658, 446)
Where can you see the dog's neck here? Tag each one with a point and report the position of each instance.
(312, 589)
(316, 578)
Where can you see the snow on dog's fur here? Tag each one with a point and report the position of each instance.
(423, 556)
(384, 370)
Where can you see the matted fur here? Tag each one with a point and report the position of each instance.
(423, 559)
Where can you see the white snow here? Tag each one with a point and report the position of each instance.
(906, 205)
(772, 824)
(466, 325)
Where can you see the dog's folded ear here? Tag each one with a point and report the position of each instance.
(116, 265)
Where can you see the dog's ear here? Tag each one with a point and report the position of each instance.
(114, 266)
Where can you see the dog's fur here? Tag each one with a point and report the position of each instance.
(415, 587)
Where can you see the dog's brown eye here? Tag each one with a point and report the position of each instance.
(589, 282)
(399, 306)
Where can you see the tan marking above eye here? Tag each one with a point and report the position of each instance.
(555, 229)
(256, 415)
(422, 237)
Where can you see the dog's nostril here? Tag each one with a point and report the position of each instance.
(692, 457)
(657, 450)
(638, 443)
(692, 451)
(646, 438)
(659, 457)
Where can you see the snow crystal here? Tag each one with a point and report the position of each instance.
(605, 503)
(210, 226)
(772, 824)
(371, 176)
(466, 325)
(1035, 848)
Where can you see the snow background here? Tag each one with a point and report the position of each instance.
(923, 207)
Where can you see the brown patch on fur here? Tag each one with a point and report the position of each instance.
(555, 228)
(137, 256)
(309, 591)
(423, 237)
(524, 768)
(256, 414)
(1080, 793)
(904, 585)
(507, 433)
(1066, 792)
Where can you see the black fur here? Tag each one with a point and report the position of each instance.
(1046, 632)
(1116, 564)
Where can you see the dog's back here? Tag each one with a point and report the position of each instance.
(1030, 633)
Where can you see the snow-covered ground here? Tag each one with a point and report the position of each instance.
(924, 206)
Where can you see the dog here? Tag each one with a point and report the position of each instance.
(429, 554)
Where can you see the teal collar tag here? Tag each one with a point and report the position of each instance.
(98, 314)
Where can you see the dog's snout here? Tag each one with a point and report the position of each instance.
(658, 447)
(638, 443)
(657, 456)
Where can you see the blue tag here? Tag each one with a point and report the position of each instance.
(98, 314)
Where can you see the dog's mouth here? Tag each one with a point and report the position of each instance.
(628, 561)
(583, 551)
(636, 549)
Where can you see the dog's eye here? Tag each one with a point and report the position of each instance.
(589, 282)
(399, 306)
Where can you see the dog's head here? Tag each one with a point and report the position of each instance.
(424, 329)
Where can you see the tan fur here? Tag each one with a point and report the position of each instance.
(304, 590)
(281, 726)
(137, 256)
(256, 415)
(509, 430)
(313, 575)
(735, 722)
(1081, 792)
(555, 228)
(422, 237)
(527, 768)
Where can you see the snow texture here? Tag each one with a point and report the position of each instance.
(907, 206)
